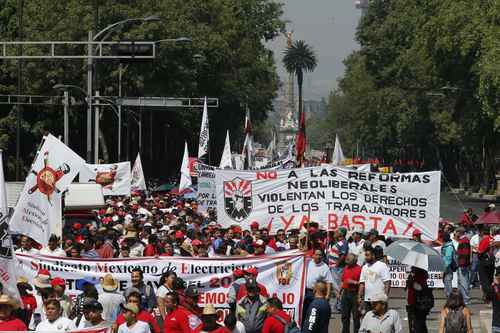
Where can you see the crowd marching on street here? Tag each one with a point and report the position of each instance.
(346, 268)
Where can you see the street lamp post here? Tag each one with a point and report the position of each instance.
(106, 32)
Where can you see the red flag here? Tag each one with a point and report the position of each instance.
(300, 143)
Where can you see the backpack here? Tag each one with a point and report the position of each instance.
(290, 326)
(455, 321)
(424, 300)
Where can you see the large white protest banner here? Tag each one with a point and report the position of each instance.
(115, 178)
(206, 187)
(283, 275)
(38, 212)
(394, 204)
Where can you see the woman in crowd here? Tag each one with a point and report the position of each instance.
(167, 285)
(455, 316)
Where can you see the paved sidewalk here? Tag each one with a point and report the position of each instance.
(397, 301)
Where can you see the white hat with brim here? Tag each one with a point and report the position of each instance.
(42, 281)
(380, 297)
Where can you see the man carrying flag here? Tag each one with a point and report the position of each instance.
(300, 143)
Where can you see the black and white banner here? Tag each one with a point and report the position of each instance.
(394, 204)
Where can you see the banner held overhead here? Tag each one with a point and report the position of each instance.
(394, 204)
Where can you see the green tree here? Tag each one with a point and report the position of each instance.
(299, 58)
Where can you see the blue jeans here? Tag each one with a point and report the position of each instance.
(474, 269)
(448, 280)
(464, 282)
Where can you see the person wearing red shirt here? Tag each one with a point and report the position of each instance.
(242, 291)
(7, 321)
(177, 320)
(348, 294)
(150, 250)
(486, 262)
(134, 297)
(209, 317)
(277, 318)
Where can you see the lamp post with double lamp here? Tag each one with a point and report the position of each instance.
(104, 33)
(180, 40)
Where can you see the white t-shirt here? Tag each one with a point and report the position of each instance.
(61, 324)
(379, 243)
(23, 251)
(58, 252)
(474, 242)
(358, 251)
(138, 327)
(163, 291)
(374, 276)
(316, 273)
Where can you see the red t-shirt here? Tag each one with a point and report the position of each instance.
(150, 251)
(273, 325)
(484, 244)
(242, 292)
(176, 322)
(351, 273)
(142, 316)
(13, 324)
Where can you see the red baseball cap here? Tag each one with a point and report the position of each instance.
(254, 225)
(252, 271)
(237, 229)
(238, 273)
(196, 242)
(179, 234)
(77, 226)
(416, 232)
(44, 272)
(58, 282)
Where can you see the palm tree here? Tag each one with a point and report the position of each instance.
(299, 58)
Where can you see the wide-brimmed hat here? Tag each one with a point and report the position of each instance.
(7, 300)
(108, 283)
(23, 281)
(209, 310)
(42, 280)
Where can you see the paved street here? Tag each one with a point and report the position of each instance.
(398, 301)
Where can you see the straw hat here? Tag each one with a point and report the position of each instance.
(209, 310)
(7, 300)
(108, 283)
(130, 234)
(23, 281)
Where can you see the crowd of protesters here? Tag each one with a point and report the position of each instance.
(349, 268)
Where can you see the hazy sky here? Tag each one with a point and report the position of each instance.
(329, 27)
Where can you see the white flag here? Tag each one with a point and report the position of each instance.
(248, 149)
(38, 212)
(8, 276)
(138, 179)
(185, 174)
(226, 160)
(115, 178)
(338, 156)
(204, 133)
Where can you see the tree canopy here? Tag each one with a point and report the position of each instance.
(424, 85)
(227, 59)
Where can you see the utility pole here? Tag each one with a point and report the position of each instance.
(96, 129)
(19, 109)
(66, 117)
